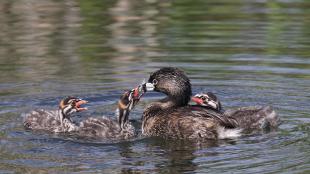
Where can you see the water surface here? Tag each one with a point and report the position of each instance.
(246, 52)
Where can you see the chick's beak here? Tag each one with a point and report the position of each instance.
(197, 100)
(78, 105)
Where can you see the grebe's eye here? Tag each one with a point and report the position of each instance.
(155, 82)
(203, 98)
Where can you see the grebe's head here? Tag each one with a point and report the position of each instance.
(207, 99)
(126, 103)
(172, 82)
(70, 105)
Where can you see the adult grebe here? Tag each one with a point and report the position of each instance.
(55, 120)
(107, 128)
(173, 117)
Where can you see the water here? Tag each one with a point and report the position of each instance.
(247, 52)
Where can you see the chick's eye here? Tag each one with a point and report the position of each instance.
(203, 97)
(155, 82)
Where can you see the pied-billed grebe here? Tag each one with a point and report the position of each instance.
(208, 100)
(249, 118)
(107, 128)
(55, 120)
(173, 117)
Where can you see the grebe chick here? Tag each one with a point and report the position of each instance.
(55, 121)
(173, 117)
(208, 100)
(249, 118)
(107, 128)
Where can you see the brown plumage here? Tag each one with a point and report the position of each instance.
(183, 122)
(173, 117)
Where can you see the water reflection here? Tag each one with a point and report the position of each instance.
(134, 34)
(178, 155)
(37, 38)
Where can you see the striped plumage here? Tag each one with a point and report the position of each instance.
(107, 128)
(55, 120)
(208, 100)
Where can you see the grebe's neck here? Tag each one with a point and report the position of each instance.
(61, 117)
(153, 108)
